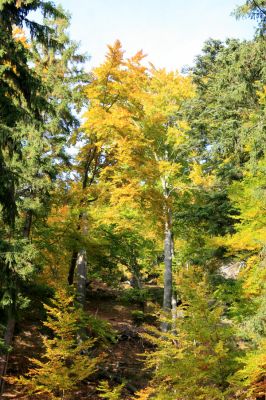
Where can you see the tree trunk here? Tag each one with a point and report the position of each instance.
(136, 277)
(168, 275)
(79, 257)
(72, 267)
(8, 338)
(168, 279)
(27, 224)
(81, 276)
(82, 264)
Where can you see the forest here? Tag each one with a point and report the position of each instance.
(132, 217)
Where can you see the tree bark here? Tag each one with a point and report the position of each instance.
(27, 224)
(136, 278)
(82, 264)
(81, 276)
(72, 267)
(168, 279)
(78, 258)
(168, 274)
(8, 338)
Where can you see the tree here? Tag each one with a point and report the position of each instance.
(35, 129)
(101, 151)
(254, 9)
(64, 362)
(63, 73)
(232, 126)
(227, 88)
(165, 130)
(22, 102)
(22, 95)
(135, 119)
(196, 358)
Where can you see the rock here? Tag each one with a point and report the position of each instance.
(231, 270)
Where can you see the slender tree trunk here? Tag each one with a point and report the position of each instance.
(168, 274)
(27, 224)
(168, 279)
(81, 277)
(78, 258)
(72, 267)
(82, 274)
(174, 294)
(174, 312)
(79, 262)
(82, 264)
(136, 277)
(8, 338)
(136, 282)
(174, 307)
(81, 288)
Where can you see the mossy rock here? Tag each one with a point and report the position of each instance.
(139, 317)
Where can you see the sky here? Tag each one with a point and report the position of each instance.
(170, 32)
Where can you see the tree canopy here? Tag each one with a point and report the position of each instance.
(132, 217)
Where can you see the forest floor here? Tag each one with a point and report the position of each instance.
(123, 361)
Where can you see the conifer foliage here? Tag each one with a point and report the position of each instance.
(164, 191)
(195, 359)
(64, 362)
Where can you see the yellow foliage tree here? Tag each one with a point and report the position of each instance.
(65, 362)
(136, 122)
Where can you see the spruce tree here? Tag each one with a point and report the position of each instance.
(37, 117)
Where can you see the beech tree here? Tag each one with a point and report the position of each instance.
(105, 135)
(135, 119)
(166, 131)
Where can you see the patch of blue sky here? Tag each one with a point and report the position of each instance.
(170, 32)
